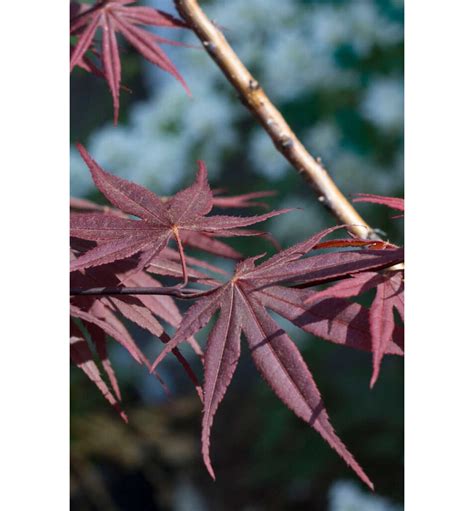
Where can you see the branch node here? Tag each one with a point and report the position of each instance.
(253, 85)
(286, 141)
(210, 46)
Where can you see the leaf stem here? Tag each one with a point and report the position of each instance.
(182, 257)
(183, 294)
(255, 99)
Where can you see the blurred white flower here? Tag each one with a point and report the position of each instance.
(79, 177)
(354, 173)
(161, 163)
(368, 27)
(324, 139)
(243, 17)
(292, 66)
(383, 103)
(347, 496)
(304, 221)
(330, 27)
(266, 160)
(114, 149)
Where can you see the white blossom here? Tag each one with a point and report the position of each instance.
(383, 103)
(369, 27)
(80, 179)
(266, 160)
(347, 496)
(324, 139)
(305, 220)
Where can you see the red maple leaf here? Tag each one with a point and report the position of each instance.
(100, 315)
(389, 296)
(117, 16)
(391, 202)
(82, 357)
(182, 217)
(242, 304)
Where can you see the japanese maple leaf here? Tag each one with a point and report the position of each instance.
(182, 216)
(102, 312)
(242, 304)
(117, 16)
(82, 357)
(389, 296)
(201, 241)
(391, 202)
(245, 200)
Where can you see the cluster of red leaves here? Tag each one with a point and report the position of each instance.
(114, 17)
(113, 251)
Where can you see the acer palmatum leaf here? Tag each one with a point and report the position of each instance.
(245, 200)
(119, 238)
(98, 315)
(82, 357)
(141, 310)
(117, 16)
(391, 202)
(100, 342)
(389, 295)
(209, 244)
(332, 319)
(242, 304)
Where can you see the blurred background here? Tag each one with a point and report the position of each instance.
(335, 70)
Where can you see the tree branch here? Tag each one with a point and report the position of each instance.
(255, 99)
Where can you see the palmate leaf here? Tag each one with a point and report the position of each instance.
(102, 313)
(183, 216)
(389, 296)
(391, 202)
(118, 16)
(242, 304)
(82, 357)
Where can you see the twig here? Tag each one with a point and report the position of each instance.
(176, 292)
(255, 99)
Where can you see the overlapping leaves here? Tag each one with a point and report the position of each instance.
(118, 16)
(183, 217)
(101, 316)
(242, 304)
(125, 251)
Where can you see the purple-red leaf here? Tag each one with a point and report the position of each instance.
(182, 217)
(82, 357)
(389, 295)
(113, 17)
(282, 366)
(335, 320)
(242, 304)
(382, 322)
(222, 356)
(391, 202)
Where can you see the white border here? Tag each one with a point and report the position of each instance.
(440, 195)
(34, 257)
(34, 375)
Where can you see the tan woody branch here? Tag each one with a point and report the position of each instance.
(255, 99)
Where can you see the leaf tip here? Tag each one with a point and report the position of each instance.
(207, 462)
(373, 379)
